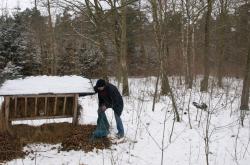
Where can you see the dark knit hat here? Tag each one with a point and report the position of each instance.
(100, 83)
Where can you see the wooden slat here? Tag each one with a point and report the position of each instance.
(15, 111)
(7, 106)
(75, 109)
(64, 105)
(55, 104)
(41, 117)
(36, 106)
(45, 105)
(25, 106)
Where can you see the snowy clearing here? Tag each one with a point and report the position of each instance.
(146, 141)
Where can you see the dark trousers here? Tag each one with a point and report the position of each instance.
(119, 124)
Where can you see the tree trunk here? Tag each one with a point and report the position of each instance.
(163, 49)
(222, 43)
(142, 46)
(204, 82)
(165, 87)
(125, 88)
(184, 65)
(189, 58)
(193, 52)
(246, 81)
(36, 4)
(187, 48)
(52, 43)
(117, 43)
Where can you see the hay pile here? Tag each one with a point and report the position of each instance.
(71, 138)
(80, 139)
(10, 147)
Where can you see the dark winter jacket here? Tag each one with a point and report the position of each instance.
(111, 98)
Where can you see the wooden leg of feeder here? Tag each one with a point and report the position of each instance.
(75, 109)
(7, 105)
(35, 106)
(15, 107)
(64, 104)
(25, 106)
(45, 104)
(55, 105)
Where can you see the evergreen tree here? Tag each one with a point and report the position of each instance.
(18, 52)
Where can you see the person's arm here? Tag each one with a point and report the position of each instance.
(101, 105)
(101, 102)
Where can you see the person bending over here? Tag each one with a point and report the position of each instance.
(109, 97)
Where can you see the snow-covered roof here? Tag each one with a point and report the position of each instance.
(47, 84)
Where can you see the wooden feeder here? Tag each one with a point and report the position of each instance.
(42, 97)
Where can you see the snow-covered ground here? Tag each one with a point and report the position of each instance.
(149, 140)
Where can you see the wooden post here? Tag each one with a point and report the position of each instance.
(55, 104)
(25, 106)
(45, 105)
(36, 106)
(64, 104)
(75, 102)
(15, 112)
(7, 105)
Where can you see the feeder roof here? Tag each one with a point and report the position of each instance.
(35, 85)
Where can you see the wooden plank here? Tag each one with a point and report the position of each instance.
(41, 117)
(64, 105)
(15, 111)
(36, 106)
(7, 106)
(55, 104)
(25, 106)
(75, 109)
(45, 105)
(54, 95)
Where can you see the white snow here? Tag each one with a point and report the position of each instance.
(47, 84)
(147, 141)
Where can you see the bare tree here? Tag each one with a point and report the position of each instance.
(125, 88)
(51, 52)
(162, 49)
(245, 90)
(191, 11)
(93, 11)
(187, 51)
(96, 16)
(141, 40)
(222, 40)
(246, 81)
(204, 82)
